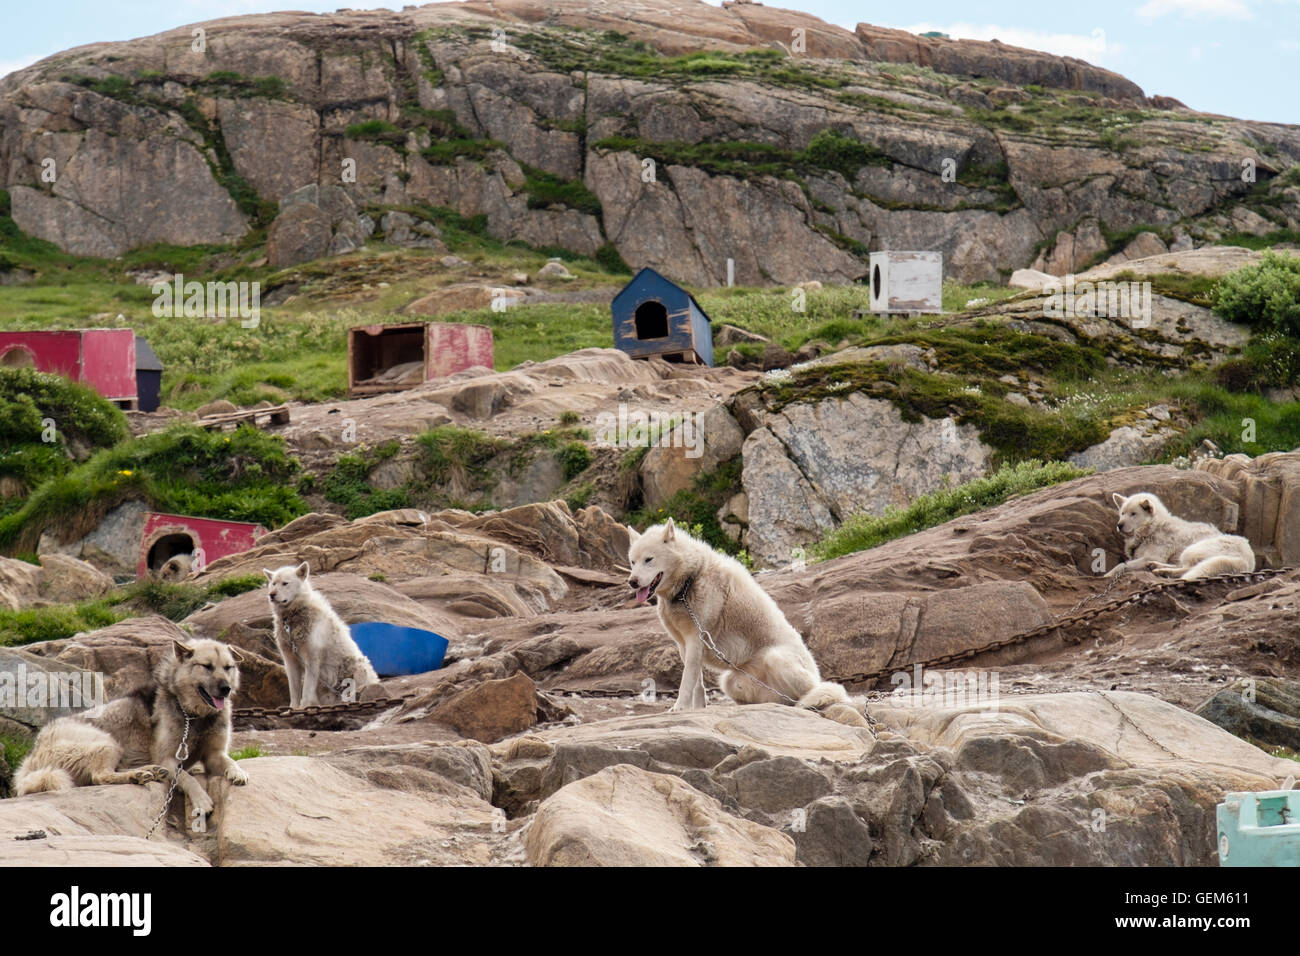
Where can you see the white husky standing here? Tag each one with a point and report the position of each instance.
(765, 658)
(319, 654)
(1157, 540)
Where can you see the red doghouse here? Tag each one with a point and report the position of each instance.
(207, 539)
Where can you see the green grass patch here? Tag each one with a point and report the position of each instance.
(863, 531)
(348, 483)
(251, 752)
(44, 417)
(545, 189)
(173, 600)
(246, 475)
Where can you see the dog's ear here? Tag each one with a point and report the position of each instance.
(1118, 499)
(183, 651)
(302, 570)
(670, 530)
(633, 535)
(1145, 504)
(269, 573)
(234, 652)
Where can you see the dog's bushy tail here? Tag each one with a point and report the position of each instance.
(43, 779)
(832, 701)
(823, 695)
(1219, 564)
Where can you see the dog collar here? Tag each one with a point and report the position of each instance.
(685, 590)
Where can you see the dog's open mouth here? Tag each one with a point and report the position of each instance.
(643, 594)
(216, 703)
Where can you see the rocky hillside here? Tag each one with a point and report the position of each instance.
(547, 740)
(777, 140)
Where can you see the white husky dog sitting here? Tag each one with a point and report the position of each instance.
(1159, 541)
(319, 654)
(766, 660)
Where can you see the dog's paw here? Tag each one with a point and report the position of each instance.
(237, 776)
(148, 774)
(203, 804)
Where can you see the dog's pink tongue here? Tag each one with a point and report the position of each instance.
(219, 703)
(642, 594)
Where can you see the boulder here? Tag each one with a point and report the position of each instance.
(492, 709)
(1130, 445)
(113, 545)
(624, 816)
(726, 335)
(67, 580)
(314, 221)
(35, 689)
(464, 298)
(1030, 279)
(299, 234)
(811, 466)
(1263, 711)
(688, 452)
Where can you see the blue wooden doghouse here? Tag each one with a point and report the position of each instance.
(655, 317)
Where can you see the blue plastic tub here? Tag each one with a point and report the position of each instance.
(397, 651)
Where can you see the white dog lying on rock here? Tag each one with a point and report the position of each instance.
(1158, 541)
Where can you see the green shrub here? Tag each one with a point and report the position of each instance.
(609, 258)
(1270, 360)
(831, 149)
(55, 622)
(545, 189)
(862, 531)
(77, 410)
(449, 449)
(377, 131)
(575, 458)
(1265, 295)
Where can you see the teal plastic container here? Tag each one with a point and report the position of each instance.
(398, 651)
(1260, 829)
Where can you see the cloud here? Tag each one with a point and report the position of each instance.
(1091, 47)
(1210, 9)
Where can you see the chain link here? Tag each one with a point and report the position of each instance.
(1065, 621)
(1124, 716)
(182, 755)
(356, 706)
(1069, 619)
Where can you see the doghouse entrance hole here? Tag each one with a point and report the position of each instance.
(875, 282)
(651, 320)
(168, 546)
(17, 357)
(374, 354)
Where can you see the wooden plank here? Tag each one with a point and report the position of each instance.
(278, 415)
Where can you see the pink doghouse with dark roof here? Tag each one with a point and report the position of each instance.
(104, 359)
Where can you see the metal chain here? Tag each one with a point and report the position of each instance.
(707, 638)
(182, 755)
(1125, 716)
(244, 713)
(1069, 619)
